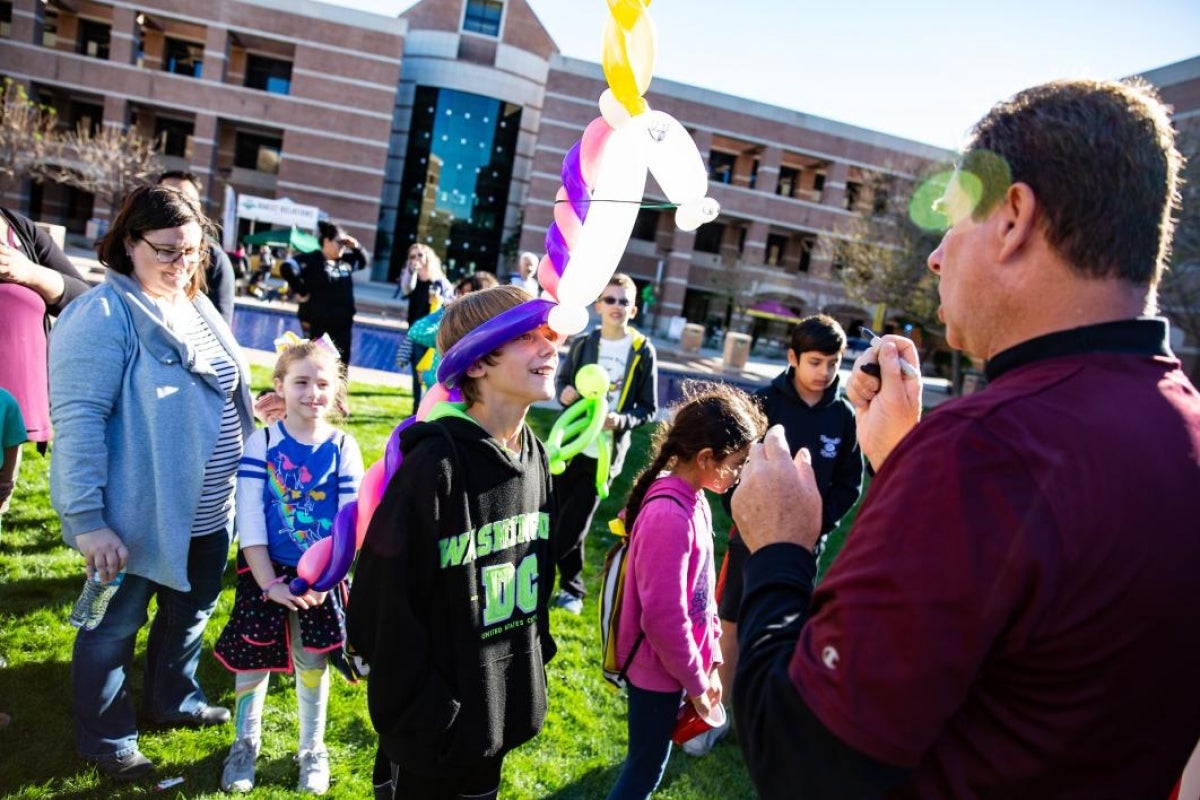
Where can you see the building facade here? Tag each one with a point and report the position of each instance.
(275, 99)
(446, 126)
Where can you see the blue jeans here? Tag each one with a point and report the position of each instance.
(105, 722)
(651, 722)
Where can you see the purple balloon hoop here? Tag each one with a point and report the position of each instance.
(490, 336)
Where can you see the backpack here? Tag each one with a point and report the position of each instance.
(612, 595)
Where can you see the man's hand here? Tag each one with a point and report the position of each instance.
(777, 499)
(568, 396)
(888, 407)
(611, 421)
(104, 551)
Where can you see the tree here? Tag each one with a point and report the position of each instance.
(1179, 292)
(108, 162)
(27, 134)
(881, 256)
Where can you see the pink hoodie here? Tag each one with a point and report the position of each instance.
(669, 591)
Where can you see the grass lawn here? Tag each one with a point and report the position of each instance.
(577, 755)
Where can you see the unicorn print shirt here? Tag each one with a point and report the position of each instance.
(289, 492)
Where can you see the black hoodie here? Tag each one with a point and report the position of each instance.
(828, 431)
(450, 596)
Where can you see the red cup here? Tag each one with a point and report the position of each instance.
(689, 724)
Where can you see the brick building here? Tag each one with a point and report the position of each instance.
(447, 125)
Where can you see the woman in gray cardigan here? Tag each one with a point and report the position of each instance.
(149, 402)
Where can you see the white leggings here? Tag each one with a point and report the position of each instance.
(312, 693)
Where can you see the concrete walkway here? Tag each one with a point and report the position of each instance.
(377, 305)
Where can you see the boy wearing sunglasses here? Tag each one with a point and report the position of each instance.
(629, 359)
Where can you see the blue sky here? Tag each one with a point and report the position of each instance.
(924, 70)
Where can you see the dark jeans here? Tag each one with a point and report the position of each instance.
(342, 334)
(105, 723)
(478, 781)
(651, 722)
(577, 504)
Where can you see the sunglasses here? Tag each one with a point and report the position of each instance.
(615, 301)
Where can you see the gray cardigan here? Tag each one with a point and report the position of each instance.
(136, 414)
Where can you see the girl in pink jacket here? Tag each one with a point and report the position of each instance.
(669, 612)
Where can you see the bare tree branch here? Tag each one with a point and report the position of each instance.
(108, 162)
(27, 134)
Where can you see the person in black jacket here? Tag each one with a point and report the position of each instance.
(220, 281)
(629, 359)
(450, 596)
(804, 399)
(322, 281)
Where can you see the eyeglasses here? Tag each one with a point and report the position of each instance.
(615, 301)
(169, 255)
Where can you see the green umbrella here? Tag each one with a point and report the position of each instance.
(293, 237)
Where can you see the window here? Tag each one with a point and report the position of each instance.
(6, 20)
(93, 39)
(720, 166)
(257, 152)
(708, 238)
(645, 228)
(183, 58)
(483, 16)
(50, 27)
(852, 192)
(754, 174)
(789, 179)
(269, 74)
(457, 178)
(879, 201)
(81, 114)
(818, 186)
(776, 245)
(174, 135)
(806, 250)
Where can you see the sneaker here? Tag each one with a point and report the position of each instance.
(699, 746)
(238, 775)
(314, 771)
(126, 767)
(569, 603)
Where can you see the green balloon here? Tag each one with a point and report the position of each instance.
(592, 381)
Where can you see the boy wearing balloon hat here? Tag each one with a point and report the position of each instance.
(629, 359)
(451, 593)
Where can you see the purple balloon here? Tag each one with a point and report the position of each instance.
(556, 248)
(341, 556)
(573, 182)
(391, 452)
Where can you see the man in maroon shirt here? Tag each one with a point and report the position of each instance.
(1014, 612)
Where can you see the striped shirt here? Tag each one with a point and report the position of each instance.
(215, 508)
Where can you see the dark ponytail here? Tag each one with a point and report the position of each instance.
(710, 415)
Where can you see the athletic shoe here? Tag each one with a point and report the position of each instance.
(238, 775)
(701, 745)
(127, 767)
(569, 603)
(314, 771)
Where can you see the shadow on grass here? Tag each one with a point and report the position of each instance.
(25, 595)
(590, 785)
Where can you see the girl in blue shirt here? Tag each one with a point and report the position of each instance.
(294, 476)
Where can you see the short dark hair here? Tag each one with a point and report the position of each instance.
(820, 333)
(1100, 157)
(181, 175)
(152, 208)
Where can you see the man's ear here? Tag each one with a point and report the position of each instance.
(476, 370)
(1017, 218)
(632, 312)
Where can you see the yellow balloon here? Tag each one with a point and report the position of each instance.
(626, 12)
(628, 61)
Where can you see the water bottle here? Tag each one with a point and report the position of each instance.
(93, 601)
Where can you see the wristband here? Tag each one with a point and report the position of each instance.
(266, 590)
